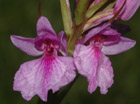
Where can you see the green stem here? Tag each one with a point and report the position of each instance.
(77, 32)
(72, 40)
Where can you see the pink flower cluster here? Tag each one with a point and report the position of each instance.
(56, 69)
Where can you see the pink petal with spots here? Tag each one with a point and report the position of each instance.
(38, 76)
(26, 45)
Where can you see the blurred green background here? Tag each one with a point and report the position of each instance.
(19, 17)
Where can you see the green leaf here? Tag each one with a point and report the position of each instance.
(66, 16)
(81, 8)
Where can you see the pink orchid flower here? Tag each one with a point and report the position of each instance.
(91, 61)
(50, 72)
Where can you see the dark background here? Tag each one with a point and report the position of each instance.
(19, 17)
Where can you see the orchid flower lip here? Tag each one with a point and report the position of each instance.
(95, 66)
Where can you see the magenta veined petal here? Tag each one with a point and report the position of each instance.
(26, 45)
(123, 45)
(128, 10)
(63, 42)
(44, 27)
(95, 66)
(86, 61)
(38, 76)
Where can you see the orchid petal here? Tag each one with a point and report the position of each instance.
(128, 10)
(94, 32)
(44, 27)
(86, 61)
(109, 31)
(63, 41)
(105, 74)
(66, 70)
(113, 37)
(38, 76)
(26, 45)
(123, 45)
(110, 40)
(95, 66)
